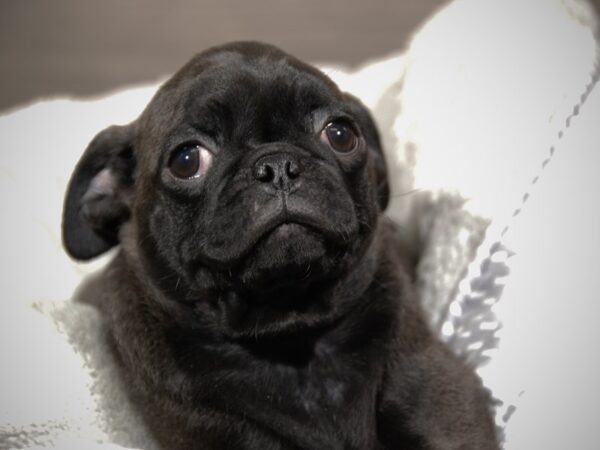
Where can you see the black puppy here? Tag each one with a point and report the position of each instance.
(259, 300)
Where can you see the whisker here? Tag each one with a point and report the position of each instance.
(307, 272)
(404, 194)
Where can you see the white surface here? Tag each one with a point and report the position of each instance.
(548, 362)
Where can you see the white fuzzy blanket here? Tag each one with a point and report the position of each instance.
(488, 94)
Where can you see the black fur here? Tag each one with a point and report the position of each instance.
(260, 306)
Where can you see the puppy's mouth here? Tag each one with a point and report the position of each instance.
(275, 240)
(288, 249)
(283, 231)
(287, 230)
(285, 237)
(286, 223)
(289, 226)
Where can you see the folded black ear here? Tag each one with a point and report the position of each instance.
(98, 197)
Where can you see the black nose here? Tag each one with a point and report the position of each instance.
(277, 169)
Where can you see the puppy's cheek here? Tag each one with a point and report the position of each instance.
(354, 163)
(159, 239)
(365, 200)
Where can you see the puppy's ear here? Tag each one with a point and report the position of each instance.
(99, 194)
(377, 154)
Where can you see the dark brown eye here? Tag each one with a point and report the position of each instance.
(190, 161)
(340, 137)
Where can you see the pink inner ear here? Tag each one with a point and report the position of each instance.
(104, 183)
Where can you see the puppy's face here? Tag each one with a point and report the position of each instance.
(249, 185)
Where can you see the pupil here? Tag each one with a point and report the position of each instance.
(341, 137)
(186, 163)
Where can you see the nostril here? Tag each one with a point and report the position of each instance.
(264, 172)
(278, 169)
(292, 169)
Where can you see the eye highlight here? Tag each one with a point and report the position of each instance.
(340, 136)
(190, 161)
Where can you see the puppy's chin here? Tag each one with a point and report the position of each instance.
(295, 280)
(289, 257)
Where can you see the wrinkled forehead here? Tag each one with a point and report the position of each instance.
(228, 90)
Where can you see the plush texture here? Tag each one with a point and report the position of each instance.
(470, 123)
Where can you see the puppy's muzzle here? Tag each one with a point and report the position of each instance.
(278, 172)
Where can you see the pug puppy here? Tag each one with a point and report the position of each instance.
(259, 299)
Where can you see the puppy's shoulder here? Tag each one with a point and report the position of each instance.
(397, 271)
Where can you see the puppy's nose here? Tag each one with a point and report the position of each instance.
(277, 169)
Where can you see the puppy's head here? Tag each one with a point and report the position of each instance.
(249, 180)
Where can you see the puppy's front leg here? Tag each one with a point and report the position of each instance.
(432, 401)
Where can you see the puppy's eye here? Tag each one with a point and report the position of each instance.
(190, 161)
(339, 136)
